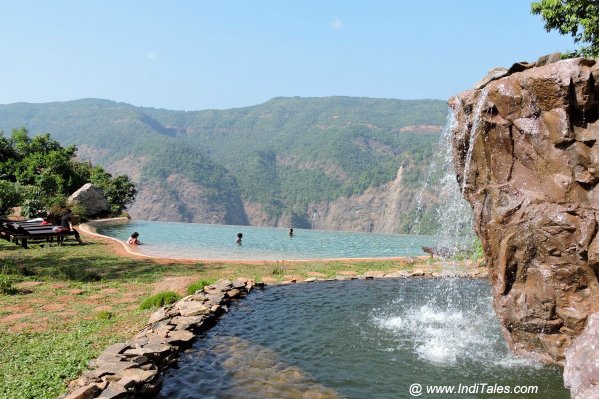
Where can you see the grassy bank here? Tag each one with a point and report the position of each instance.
(61, 306)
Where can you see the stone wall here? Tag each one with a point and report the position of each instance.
(527, 158)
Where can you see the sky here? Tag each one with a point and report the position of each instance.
(218, 54)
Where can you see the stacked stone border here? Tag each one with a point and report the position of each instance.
(135, 369)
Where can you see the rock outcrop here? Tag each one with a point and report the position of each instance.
(581, 373)
(527, 159)
(91, 198)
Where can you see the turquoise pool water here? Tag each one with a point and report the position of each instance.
(209, 241)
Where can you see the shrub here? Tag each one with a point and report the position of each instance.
(159, 300)
(32, 208)
(198, 285)
(104, 315)
(9, 197)
(6, 287)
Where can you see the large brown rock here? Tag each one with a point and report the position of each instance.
(91, 198)
(527, 158)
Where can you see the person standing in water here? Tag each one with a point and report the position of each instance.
(290, 233)
(238, 240)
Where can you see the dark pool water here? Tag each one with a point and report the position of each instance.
(358, 339)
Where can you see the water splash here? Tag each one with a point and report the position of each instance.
(448, 331)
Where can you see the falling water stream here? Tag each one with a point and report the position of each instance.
(368, 338)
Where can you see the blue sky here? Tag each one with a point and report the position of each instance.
(191, 55)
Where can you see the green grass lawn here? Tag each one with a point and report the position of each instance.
(61, 306)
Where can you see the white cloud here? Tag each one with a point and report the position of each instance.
(336, 23)
(151, 56)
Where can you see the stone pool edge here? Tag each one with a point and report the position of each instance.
(135, 369)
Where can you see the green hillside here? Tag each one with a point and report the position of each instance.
(285, 154)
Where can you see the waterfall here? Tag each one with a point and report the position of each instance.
(452, 213)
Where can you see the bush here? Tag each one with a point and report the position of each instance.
(9, 197)
(198, 285)
(6, 287)
(159, 300)
(32, 208)
(104, 315)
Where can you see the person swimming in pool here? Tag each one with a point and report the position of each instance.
(133, 239)
(238, 240)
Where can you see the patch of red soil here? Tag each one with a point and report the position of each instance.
(15, 308)
(28, 284)
(177, 284)
(109, 291)
(103, 308)
(14, 317)
(54, 307)
(125, 300)
(28, 327)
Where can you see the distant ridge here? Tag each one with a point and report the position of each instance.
(288, 161)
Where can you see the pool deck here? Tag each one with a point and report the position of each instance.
(123, 249)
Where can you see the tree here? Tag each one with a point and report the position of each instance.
(38, 172)
(579, 18)
(9, 197)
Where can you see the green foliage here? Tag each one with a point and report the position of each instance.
(104, 315)
(6, 285)
(578, 18)
(37, 172)
(198, 285)
(9, 197)
(159, 300)
(37, 364)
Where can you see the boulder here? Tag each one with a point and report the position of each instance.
(91, 198)
(532, 181)
(581, 373)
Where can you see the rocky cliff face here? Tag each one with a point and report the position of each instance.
(379, 209)
(527, 158)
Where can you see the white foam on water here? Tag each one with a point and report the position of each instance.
(446, 335)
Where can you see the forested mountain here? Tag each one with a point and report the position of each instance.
(332, 162)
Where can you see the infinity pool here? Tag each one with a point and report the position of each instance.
(209, 241)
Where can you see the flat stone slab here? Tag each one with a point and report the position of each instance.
(179, 337)
(114, 391)
(149, 350)
(137, 375)
(184, 323)
(374, 274)
(86, 392)
(192, 308)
